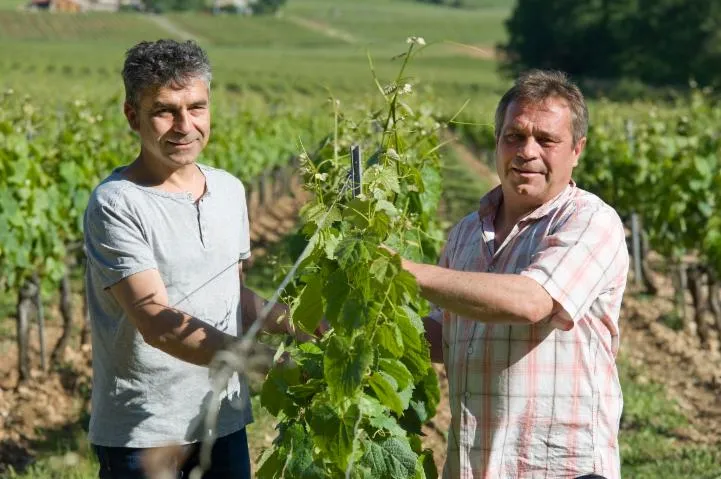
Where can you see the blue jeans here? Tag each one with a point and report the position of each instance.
(230, 460)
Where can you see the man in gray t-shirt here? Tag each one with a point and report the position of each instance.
(165, 238)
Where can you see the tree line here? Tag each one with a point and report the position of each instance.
(652, 42)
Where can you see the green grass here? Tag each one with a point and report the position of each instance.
(465, 4)
(473, 4)
(54, 56)
(294, 76)
(66, 453)
(68, 466)
(87, 27)
(386, 22)
(649, 446)
(11, 4)
(462, 189)
(244, 31)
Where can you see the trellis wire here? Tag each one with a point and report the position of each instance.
(234, 360)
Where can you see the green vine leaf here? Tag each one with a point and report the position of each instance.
(335, 293)
(307, 310)
(390, 338)
(346, 363)
(353, 315)
(273, 395)
(352, 251)
(385, 388)
(333, 433)
(391, 458)
(398, 371)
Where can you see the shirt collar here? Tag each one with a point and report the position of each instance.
(492, 200)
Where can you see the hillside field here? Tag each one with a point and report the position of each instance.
(292, 63)
(311, 49)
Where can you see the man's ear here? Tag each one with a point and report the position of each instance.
(578, 149)
(131, 114)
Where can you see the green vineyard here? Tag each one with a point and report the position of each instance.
(292, 94)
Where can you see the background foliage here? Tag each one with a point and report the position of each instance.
(656, 42)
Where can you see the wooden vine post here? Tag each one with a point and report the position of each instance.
(66, 311)
(29, 302)
(24, 312)
(696, 276)
(636, 249)
(356, 170)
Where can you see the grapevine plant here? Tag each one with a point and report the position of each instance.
(663, 163)
(352, 404)
(49, 164)
(664, 167)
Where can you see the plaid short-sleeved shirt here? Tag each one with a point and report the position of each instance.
(541, 400)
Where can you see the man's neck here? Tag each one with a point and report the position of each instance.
(512, 214)
(155, 174)
(507, 216)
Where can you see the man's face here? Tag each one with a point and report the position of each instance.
(535, 153)
(173, 122)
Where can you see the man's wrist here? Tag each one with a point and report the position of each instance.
(228, 341)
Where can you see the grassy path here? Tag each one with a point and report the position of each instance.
(322, 28)
(164, 23)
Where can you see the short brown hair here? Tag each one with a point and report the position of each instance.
(535, 86)
(162, 63)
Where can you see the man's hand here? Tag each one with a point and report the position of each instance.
(275, 322)
(406, 264)
(322, 328)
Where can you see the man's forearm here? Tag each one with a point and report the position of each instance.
(183, 336)
(485, 297)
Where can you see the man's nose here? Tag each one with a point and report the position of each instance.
(528, 149)
(182, 122)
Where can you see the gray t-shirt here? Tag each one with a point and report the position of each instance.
(142, 396)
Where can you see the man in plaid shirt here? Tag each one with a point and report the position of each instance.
(528, 292)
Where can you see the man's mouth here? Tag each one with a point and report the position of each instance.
(526, 172)
(180, 144)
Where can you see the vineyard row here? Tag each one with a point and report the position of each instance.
(663, 165)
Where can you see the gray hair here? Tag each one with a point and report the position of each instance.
(162, 63)
(536, 86)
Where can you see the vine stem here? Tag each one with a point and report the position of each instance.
(235, 359)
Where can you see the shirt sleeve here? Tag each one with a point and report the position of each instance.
(115, 244)
(245, 226)
(579, 261)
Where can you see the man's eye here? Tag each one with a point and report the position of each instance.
(513, 137)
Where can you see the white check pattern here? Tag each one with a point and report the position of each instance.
(539, 401)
